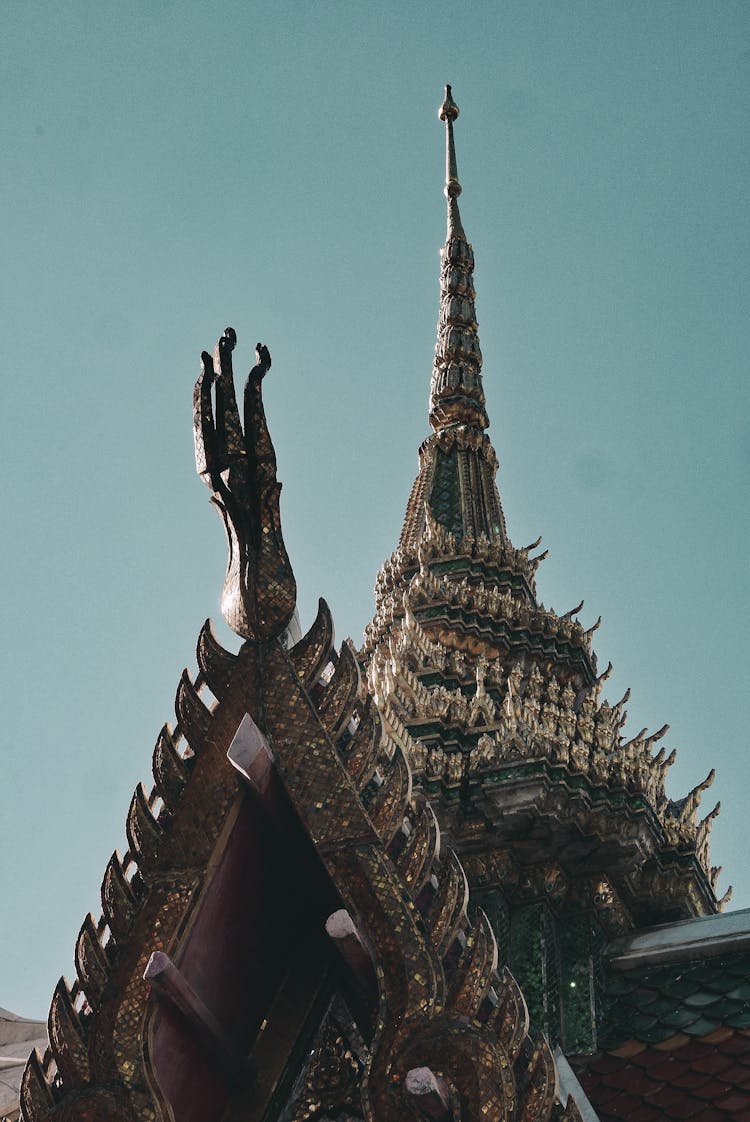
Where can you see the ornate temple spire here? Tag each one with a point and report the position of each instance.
(456, 395)
(496, 700)
(456, 486)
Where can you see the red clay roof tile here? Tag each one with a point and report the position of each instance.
(701, 1081)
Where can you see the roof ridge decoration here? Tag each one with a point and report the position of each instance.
(349, 828)
(239, 467)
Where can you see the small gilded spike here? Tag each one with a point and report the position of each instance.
(540, 1087)
(171, 771)
(448, 911)
(721, 904)
(511, 1018)
(362, 750)
(143, 831)
(119, 904)
(91, 962)
(477, 969)
(421, 849)
(66, 1038)
(388, 805)
(313, 650)
(339, 696)
(216, 664)
(193, 717)
(37, 1101)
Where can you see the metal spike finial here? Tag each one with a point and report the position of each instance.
(449, 107)
(448, 112)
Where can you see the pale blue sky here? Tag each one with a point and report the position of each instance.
(170, 168)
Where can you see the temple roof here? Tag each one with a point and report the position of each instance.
(687, 978)
(705, 1079)
(677, 1024)
(688, 939)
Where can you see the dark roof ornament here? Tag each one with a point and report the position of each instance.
(260, 592)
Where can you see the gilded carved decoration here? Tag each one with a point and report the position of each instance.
(472, 715)
(239, 467)
(483, 687)
(442, 1002)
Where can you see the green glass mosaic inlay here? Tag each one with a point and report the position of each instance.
(445, 500)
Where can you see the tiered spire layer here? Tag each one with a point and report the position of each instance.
(456, 394)
(457, 464)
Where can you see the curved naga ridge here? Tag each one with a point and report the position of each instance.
(260, 592)
(448, 1034)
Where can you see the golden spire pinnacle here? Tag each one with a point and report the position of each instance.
(448, 112)
(456, 395)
